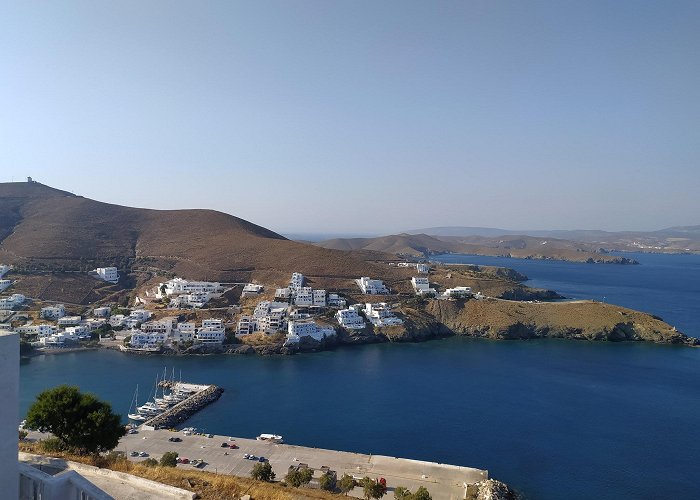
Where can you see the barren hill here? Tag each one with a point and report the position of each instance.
(44, 228)
(519, 246)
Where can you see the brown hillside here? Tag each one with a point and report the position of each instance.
(41, 227)
(524, 247)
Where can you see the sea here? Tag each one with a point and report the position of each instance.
(555, 419)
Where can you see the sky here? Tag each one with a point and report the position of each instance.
(361, 117)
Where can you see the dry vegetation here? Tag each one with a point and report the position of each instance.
(207, 485)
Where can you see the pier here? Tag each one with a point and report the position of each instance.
(202, 395)
(443, 481)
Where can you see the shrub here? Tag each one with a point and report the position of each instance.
(53, 445)
(169, 459)
(298, 477)
(150, 462)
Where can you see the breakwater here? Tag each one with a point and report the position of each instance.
(203, 396)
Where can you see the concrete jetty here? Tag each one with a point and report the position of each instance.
(443, 481)
(202, 395)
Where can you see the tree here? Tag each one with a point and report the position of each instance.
(299, 477)
(169, 459)
(80, 421)
(372, 488)
(346, 483)
(150, 462)
(327, 481)
(401, 493)
(421, 494)
(263, 472)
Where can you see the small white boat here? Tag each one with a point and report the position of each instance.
(137, 417)
(270, 437)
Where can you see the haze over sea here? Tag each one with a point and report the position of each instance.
(555, 419)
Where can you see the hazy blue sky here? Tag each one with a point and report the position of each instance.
(329, 116)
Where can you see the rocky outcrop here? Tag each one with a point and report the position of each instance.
(490, 489)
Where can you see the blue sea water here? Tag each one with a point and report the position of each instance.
(556, 419)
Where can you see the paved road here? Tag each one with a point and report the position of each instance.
(444, 482)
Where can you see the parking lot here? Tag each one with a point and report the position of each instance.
(444, 482)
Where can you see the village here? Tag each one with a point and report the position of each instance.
(165, 316)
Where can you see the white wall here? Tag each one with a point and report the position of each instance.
(9, 395)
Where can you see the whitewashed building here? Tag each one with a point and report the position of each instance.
(140, 315)
(178, 286)
(304, 297)
(349, 318)
(296, 282)
(110, 274)
(251, 289)
(42, 330)
(457, 292)
(372, 287)
(117, 320)
(101, 312)
(53, 312)
(14, 300)
(142, 340)
(246, 325)
(160, 326)
(335, 300)
(423, 268)
(4, 269)
(77, 332)
(69, 320)
(422, 286)
(296, 330)
(5, 284)
(184, 332)
(380, 314)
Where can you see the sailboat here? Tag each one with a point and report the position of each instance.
(137, 417)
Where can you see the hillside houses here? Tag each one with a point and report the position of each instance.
(251, 290)
(183, 293)
(5, 284)
(458, 292)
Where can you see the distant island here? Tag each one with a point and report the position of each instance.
(201, 281)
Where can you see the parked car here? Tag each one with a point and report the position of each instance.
(210, 435)
(252, 457)
(143, 454)
(174, 439)
(262, 459)
(133, 431)
(233, 446)
(184, 460)
(224, 445)
(134, 454)
(231, 439)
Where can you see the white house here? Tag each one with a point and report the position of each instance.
(69, 320)
(304, 297)
(77, 332)
(372, 287)
(184, 332)
(246, 325)
(117, 320)
(348, 318)
(110, 274)
(14, 300)
(42, 330)
(5, 284)
(177, 286)
(457, 292)
(4, 269)
(296, 330)
(164, 326)
(101, 312)
(211, 334)
(423, 268)
(296, 282)
(380, 314)
(422, 286)
(140, 315)
(251, 289)
(142, 340)
(335, 300)
(283, 294)
(320, 298)
(53, 312)
(217, 324)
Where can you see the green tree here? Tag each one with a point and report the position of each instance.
(169, 459)
(150, 462)
(372, 488)
(328, 481)
(299, 477)
(81, 421)
(421, 494)
(263, 472)
(401, 493)
(346, 483)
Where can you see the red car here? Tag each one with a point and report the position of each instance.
(183, 460)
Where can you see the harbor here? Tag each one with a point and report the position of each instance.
(227, 455)
(181, 401)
